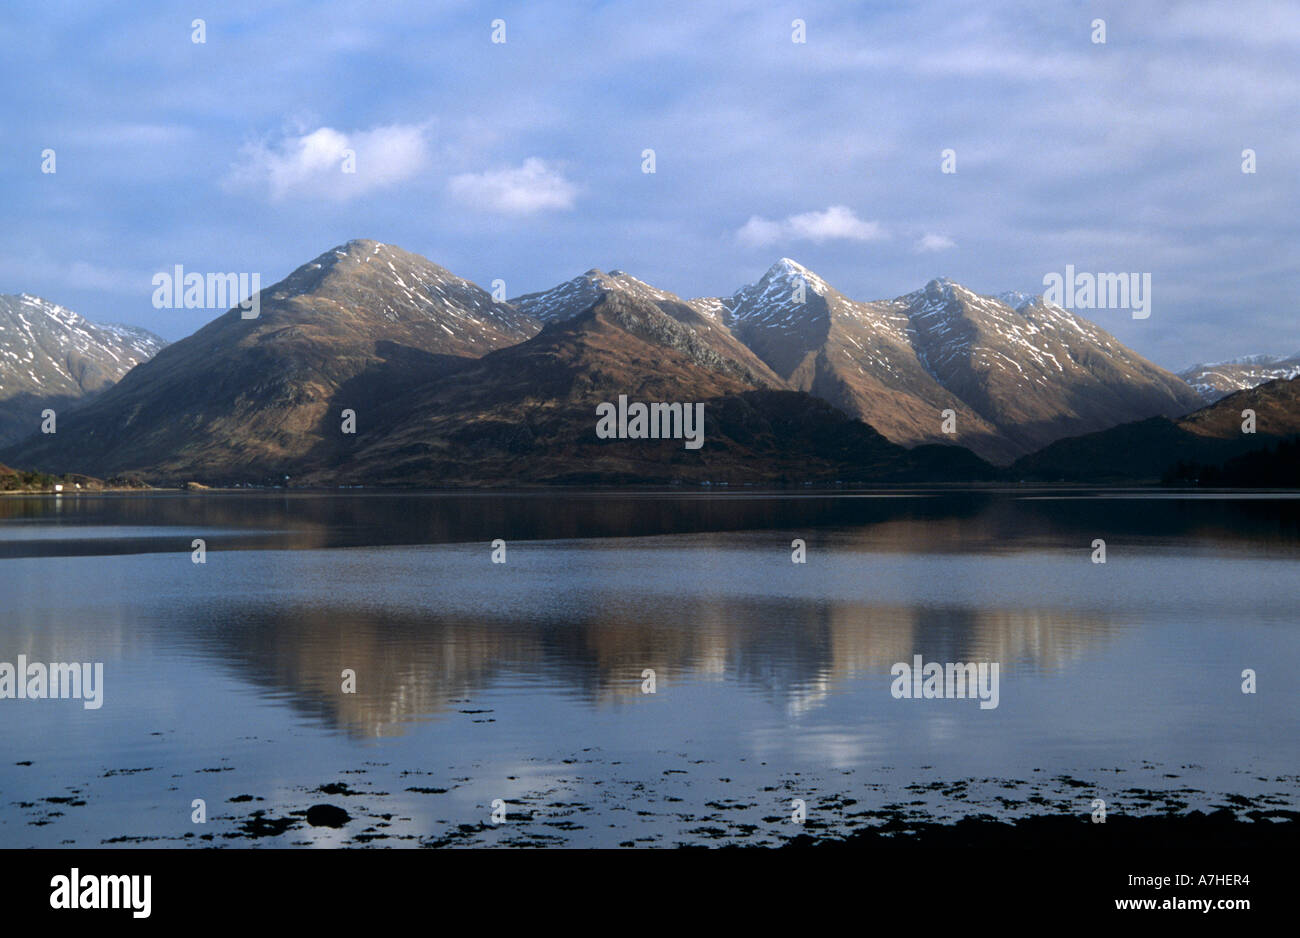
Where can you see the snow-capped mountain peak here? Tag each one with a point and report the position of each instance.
(1017, 299)
(787, 270)
(581, 292)
(51, 356)
(782, 296)
(73, 354)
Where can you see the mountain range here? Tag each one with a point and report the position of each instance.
(1016, 377)
(447, 385)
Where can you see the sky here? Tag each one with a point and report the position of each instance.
(523, 160)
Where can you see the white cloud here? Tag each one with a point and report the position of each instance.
(759, 231)
(532, 187)
(315, 163)
(934, 242)
(835, 223)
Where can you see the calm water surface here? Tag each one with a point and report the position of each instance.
(522, 681)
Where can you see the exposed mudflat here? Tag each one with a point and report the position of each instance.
(692, 803)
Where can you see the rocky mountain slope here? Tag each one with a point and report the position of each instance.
(858, 356)
(578, 295)
(528, 414)
(245, 398)
(50, 357)
(1015, 378)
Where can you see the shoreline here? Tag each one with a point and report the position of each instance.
(700, 488)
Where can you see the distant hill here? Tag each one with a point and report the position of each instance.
(1216, 380)
(50, 357)
(1151, 450)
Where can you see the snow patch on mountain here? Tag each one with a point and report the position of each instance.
(1216, 380)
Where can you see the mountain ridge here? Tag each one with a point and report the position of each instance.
(392, 337)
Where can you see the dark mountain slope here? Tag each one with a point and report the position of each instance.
(1150, 450)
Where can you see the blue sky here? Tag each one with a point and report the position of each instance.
(522, 160)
